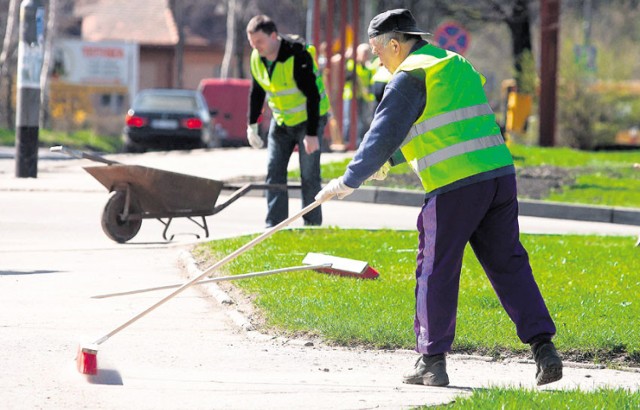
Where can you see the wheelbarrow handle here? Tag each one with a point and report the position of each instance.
(81, 154)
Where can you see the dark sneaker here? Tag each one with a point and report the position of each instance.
(428, 370)
(548, 363)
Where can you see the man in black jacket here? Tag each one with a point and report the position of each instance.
(284, 70)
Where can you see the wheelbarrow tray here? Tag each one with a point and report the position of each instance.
(161, 193)
(139, 192)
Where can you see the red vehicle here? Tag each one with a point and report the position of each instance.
(228, 101)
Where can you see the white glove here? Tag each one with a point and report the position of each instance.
(335, 187)
(252, 135)
(311, 144)
(382, 173)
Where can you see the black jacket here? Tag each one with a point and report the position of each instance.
(304, 77)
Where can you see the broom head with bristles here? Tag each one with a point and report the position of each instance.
(87, 359)
(341, 266)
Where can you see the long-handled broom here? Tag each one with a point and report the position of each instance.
(87, 356)
(219, 279)
(332, 265)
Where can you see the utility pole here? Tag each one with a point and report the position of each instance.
(549, 27)
(30, 56)
(178, 15)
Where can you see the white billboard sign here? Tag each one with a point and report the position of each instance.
(97, 63)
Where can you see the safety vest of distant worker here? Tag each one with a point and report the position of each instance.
(287, 103)
(456, 136)
(363, 75)
(380, 79)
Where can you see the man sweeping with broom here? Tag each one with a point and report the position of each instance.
(435, 111)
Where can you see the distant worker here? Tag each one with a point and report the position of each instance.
(357, 83)
(380, 79)
(284, 70)
(435, 111)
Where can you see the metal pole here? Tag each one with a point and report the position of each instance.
(309, 23)
(587, 22)
(549, 25)
(354, 117)
(342, 66)
(328, 34)
(30, 56)
(316, 27)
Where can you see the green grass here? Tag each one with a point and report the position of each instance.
(528, 156)
(611, 187)
(82, 139)
(602, 178)
(523, 399)
(590, 284)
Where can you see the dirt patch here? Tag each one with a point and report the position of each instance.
(533, 182)
(539, 182)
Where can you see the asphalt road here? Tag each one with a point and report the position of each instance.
(191, 352)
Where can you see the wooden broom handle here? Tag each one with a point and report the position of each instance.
(215, 266)
(219, 279)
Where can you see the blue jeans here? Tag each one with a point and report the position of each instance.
(282, 141)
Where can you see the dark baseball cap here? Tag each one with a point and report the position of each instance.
(397, 20)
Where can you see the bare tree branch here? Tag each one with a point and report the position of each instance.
(10, 40)
(46, 61)
(229, 48)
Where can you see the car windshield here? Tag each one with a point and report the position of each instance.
(165, 102)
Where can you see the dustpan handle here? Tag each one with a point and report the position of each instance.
(215, 266)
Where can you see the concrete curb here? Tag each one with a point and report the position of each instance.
(244, 323)
(528, 207)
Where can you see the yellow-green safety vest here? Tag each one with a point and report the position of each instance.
(456, 136)
(364, 75)
(287, 103)
(381, 75)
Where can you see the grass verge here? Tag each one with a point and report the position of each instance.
(600, 178)
(82, 139)
(520, 399)
(590, 285)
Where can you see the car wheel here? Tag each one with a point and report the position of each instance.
(132, 147)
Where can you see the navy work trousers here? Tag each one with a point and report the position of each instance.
(485, 214)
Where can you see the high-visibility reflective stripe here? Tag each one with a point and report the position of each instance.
(459, 149)
(447, 118)
(299, 108)
(290, 91)
(296, 109)
(281, 93)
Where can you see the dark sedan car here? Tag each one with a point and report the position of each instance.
(167, 119)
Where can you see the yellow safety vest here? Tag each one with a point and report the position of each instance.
(456, 136)
(364, 76)
(287, 103)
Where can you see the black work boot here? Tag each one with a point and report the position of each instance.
(548, 363)
(428, 370)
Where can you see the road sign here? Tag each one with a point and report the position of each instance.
(450, 35)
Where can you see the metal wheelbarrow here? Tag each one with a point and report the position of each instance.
(138, 192)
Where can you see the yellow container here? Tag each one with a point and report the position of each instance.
(518, 110)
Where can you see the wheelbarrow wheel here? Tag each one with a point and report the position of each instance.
(112, 223)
